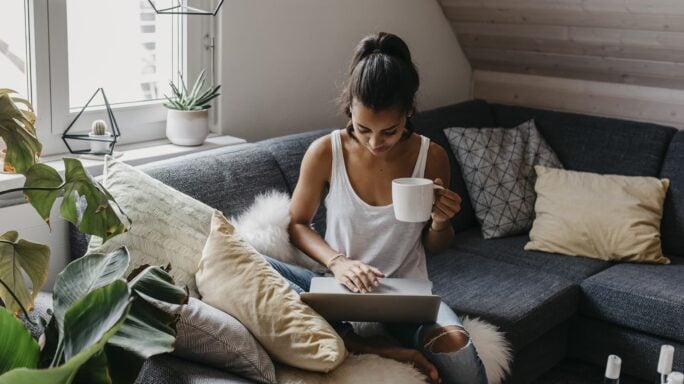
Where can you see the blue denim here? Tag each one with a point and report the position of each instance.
(459, 367)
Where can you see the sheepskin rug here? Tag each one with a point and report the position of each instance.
(264, 226)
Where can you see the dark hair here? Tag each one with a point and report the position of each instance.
(381, 76)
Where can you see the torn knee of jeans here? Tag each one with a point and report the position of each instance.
(446, 339)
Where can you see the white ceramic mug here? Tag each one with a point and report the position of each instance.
(412, 198)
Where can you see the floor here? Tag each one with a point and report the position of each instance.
(575, 372)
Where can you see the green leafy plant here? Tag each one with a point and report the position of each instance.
(103, 324)
(194, 100)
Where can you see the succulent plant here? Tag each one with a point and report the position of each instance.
(195, 99)
(99, 128)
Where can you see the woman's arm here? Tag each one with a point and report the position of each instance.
(439, 234)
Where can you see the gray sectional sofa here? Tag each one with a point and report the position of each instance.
(551, 307)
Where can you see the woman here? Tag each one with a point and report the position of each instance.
(363, 240)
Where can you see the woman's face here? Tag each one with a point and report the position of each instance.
(378, 131)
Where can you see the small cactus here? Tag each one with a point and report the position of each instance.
(99, 128)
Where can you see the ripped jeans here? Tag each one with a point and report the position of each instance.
(458, 367)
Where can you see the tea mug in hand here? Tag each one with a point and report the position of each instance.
(413, 198)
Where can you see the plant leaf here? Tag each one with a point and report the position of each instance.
(65, 373)
(17, 347)
(18, 257)
(44, 176)
(148, 330)
(82, 276)
(87, 205)
(95, 370)
(89, 319)
(18, 133)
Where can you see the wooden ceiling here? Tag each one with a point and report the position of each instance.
(623, 41)
(636, 43)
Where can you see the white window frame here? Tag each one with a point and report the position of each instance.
(50, 85)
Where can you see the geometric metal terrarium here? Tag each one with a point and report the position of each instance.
(182, 7)
(110, 140)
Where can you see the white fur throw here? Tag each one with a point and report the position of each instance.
(264, 226)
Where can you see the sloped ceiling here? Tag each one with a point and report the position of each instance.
(622, 41)
(615, 58)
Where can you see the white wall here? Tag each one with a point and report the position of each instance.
(282, 63)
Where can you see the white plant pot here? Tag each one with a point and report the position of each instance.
(100, 147)
(187, 128)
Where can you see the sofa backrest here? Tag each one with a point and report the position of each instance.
(672, 229)
(596, 144)
(288, 151)
(474, 113)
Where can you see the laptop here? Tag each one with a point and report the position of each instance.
(394, 300)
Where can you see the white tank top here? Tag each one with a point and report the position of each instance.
(370, 233)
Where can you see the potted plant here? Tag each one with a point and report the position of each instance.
(102, 138)
(187, 120)
(103, 324)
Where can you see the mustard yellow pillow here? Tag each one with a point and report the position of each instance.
(607, 217)
(236, 279)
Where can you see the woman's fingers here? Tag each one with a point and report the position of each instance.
(366, 284)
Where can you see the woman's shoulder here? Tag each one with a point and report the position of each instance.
(321, 148)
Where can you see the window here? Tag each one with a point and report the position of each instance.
(126, 62)
(58, 53)
(14, 65)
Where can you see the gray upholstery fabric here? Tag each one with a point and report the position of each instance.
(41, 305)
(595, 144)
(673, 212)
(510, 250)
(288, 152)
(648, 298)
(593, 340)
(474, 113)
(498, 168)
(210, 336)
(524, 302)
(539, 356)
(226, 178)
(167, 369)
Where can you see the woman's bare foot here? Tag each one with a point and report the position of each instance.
(385, 347)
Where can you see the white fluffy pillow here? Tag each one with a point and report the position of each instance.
(264, 227)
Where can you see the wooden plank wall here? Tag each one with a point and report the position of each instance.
(621, 58)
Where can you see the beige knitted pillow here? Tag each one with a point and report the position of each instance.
(235, 278)
(169, 227)
(608, 217)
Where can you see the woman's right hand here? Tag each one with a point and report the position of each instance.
(355, 275)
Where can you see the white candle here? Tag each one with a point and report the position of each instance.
(613, 367)
(665, 361)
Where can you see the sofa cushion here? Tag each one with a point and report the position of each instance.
(596, 144)
(672, 226)
(226, 179)
(510, 250)
(648, 298)
(474, 113)
(288, 152)
(525, 303)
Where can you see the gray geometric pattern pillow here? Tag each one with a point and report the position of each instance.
(498, 169)
(210, 336)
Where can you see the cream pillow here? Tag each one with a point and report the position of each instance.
(607, 217)
(169, 227)
(235, 278)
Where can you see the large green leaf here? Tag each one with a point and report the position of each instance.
(87, 204)
(18, 257)
(17, 347)
(18, 133)
(89, 319)
(92, 309)
(84, 275)
(95, 370)
(148, 330)
(43, 176)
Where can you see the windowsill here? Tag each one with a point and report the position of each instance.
(132, 154)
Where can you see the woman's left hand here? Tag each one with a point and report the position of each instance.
(447, 205)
